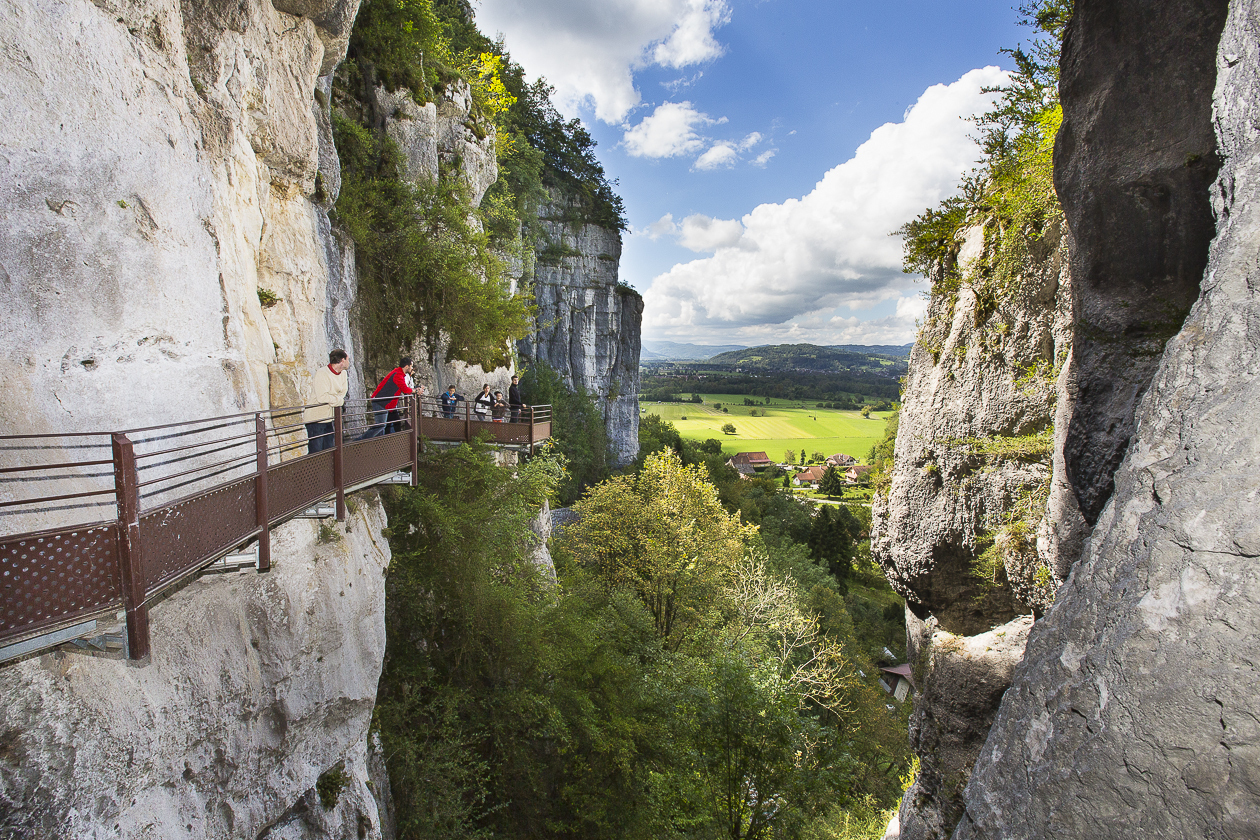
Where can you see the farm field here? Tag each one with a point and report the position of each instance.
(785, 426)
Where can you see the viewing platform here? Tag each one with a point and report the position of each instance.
(98, 522)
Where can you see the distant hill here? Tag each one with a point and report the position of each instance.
(670, 351)
(813, 359)
(897, 351)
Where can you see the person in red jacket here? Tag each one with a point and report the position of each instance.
(385, 415)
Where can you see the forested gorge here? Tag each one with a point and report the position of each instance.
(701, 666)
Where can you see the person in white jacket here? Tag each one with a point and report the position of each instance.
(329, 386)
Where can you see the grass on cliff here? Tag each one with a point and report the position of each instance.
(1011, 192)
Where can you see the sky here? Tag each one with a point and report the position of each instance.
(767, 149)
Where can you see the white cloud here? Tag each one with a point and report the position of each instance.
(725, 153)
(663, 226)
(590, 50)
(702, 233)
(831, 248)
(721, 154)
(762, 159)
(669, 131)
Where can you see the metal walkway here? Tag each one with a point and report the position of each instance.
(98, 522)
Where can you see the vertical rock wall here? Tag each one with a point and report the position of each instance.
(588, 325)
(1128, 712)
(961, 531)
(160, 163)
(1134, 711)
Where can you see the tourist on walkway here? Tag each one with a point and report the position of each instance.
(483, 403)
(514, 399)
(450, 400)
(329, 386)
(385, 415)
(499, 408)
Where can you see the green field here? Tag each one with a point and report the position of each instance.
(785, 426)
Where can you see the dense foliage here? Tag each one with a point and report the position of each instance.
(689, 674)
(425, 269)
(577, 429)
(428, 268)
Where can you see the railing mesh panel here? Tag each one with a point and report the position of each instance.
(296, 485)
(54, 578)
(368, 459)
(181, 537)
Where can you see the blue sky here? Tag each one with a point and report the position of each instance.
(764, 148)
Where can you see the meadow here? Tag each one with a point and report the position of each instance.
(787, 424)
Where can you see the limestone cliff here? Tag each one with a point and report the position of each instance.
(433, 137)
(962, 530)
(161, 163)
(258, 685)
(1134, 710)
(1129, 710)
(588, 324)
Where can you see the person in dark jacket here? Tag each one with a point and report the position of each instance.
(450, 400)
(385, 415)
(499, 407)
(515, 403)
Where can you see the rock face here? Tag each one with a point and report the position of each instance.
(1131, 712)
(257, 686)
(1134, 711)
(589, 325)
(432, 137)
(1133, 164)
(162, 163)
(961, 530)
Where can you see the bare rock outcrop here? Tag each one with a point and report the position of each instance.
(961, 531)
(258, 685)
(1134, 160)
(1134, 710)
(588, 324)
(164, 164)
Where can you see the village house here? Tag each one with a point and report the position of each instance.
(755, 460)
(810, 476)
(898, 681)
(856, 473)
(841, 460)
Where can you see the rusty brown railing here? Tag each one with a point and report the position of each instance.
(184, 495)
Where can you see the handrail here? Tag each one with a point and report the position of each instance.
(129, 561)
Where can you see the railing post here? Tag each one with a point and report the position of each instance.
(467, 422)
(338, 465)
(531, 430)
(415, 439)
(130, 549)
(260, 494)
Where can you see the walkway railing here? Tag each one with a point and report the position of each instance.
(99, 522)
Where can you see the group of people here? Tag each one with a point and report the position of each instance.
(330, 385)
(488, 405)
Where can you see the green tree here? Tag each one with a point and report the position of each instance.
(789, 457)
(728, 428)
(577, 429)
(832, 483)
(663, 535)
(833, 539)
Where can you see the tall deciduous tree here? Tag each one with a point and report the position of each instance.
(664, 535)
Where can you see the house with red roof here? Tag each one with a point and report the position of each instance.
(756, 460)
